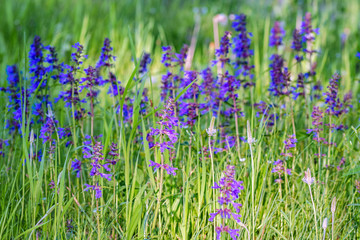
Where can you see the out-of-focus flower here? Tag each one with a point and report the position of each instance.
(280, 77)
(105, 57)
(277, 34)
(307, 177)
(145, 61)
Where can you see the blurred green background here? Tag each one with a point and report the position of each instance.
(154, 23)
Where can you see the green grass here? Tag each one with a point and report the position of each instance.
(30, 209)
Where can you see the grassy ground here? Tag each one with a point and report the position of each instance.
(46, 200)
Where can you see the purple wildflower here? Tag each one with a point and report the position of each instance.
(280, 77)
(114, 88)
(52, 59)
(265, 112)
(290, 144)
(48, 128)
(76, 166)
(16, 98)
(334, 105)
(3, 143)
(207, 88)
(280, 164)
(145, 61)
(167, 122)
(113, 154)
(317, 88)
(68, 78)
(92, 80)
(36, 64)
(52, 184)
(317, 116)
(222, 53)
(229, 193)
(307, 31)
(105, 56)
(342, 162)
(167, 85)
(96, 188)
(78, 56)
(277, 35)
(242, 51)
(297, 45)
(299, 90)
(171, 59)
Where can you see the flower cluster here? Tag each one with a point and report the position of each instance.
(280, 76)
(113, 154)
(36, 65)
(280, 164)
(331, 97)
(308, 37)
(70, 94)
(145, 61)
(3, 143)
(76, 166)
(170, 80)
(317, 116)
(334, 105)
(93, 152)
(167, 122)
(277, 35)
(48, 129)
(16, 98)
(307, 31)
(207, 88)
(229, 194)
(299, 89)
(241, 50)
(297, 44)
(265, 113)
(91, 82)
(105, 57)
(189, 110)
(222, 53)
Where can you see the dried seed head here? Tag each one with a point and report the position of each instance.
(325, 222)
(333, 205)
(211, 130)
(50, 113)
(32, 138)
(249, 136)
(307, 178)
(221, 18)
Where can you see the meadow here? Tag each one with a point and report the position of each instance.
(179, 119)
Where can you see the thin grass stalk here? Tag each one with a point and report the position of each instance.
(250, 142)
(157, 210)
(328, 156)
(211, 131)
(313, 205)
(333, 209)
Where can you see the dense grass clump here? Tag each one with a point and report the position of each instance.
(260, 142)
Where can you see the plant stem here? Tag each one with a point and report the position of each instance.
(313, 204)
(98, 219)
(237, 129)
